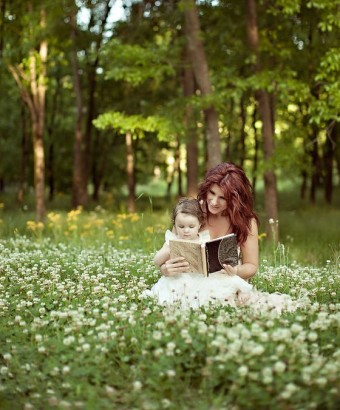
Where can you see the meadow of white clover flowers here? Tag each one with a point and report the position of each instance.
(76, 333)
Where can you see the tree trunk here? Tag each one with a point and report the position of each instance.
(314, 153)
(34, 96)
(256, 150)
(303, 187)
(2, 26)
(39, 172)
(50, 128)
(243, 131)
(79, 191)
(328, 162)
(24, 157)
(177, 167)
(201, 73)
(92, 83)
(100, 154)
(270, 200)
(188, 84)
(50, 172)
(130, 172)
(336, 138)
(265, 112)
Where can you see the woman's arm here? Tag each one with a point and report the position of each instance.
(250, 255)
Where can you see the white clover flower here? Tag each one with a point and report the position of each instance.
(279, 367)
(296, 328)
(312, 336)
(65, 404)
(110, 391)
(86, 347)
(38, 338)
(166, 403)
(243, 371)
(321, 381)
(158, 352)
(68, 340)
(157, 335)
(3, 370)
(66, 369)
(258, 350)
(170, 373)
(137, 385)
(7, 356)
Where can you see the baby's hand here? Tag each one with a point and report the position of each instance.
(175, 266)
(230, 270)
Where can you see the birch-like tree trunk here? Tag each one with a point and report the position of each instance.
(201, 72)
(265, 112)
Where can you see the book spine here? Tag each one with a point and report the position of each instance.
(204, 260)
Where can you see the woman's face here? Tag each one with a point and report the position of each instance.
(187, 226)
(215, 200)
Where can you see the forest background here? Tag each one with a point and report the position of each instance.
(111, 110)
(108, 102)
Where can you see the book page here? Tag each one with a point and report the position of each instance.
(191, 251)
(221, 251)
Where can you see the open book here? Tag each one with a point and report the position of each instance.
(206, 257)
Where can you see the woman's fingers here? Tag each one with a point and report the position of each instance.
(229, 270)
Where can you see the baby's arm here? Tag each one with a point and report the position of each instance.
(162, 255)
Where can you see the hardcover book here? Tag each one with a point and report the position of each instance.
(206, 257)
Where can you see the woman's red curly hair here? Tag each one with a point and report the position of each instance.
(238, 194)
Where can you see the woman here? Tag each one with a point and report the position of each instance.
(227, 200)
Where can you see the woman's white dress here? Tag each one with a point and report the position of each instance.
(192, 290)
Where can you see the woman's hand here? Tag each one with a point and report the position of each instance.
(230, 270)
(174, 266)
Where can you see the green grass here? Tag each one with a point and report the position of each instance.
(76, 333)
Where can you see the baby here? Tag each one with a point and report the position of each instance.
(187, 219)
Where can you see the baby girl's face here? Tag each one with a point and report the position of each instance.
(187, 226)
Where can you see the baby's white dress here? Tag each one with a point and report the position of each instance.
(192, 290)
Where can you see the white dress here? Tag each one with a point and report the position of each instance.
(192, 290)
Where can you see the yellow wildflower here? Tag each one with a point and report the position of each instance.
(134, 217)
(34, 226)
(53, 217)
(110, 234)
(73, 215)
